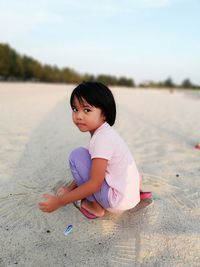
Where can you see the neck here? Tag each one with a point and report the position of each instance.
(93, 131)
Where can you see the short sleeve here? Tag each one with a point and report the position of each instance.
(101, 146)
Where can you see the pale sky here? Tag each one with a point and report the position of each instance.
(141, 39)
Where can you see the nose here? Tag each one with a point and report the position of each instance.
(79, 115)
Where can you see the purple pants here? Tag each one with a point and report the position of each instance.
(80, 164)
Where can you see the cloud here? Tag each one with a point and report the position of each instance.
(156, 3)
(19, 22)
(113, 5)
(19, 15)
(150, 3)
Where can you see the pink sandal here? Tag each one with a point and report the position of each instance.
(197, 146)
(145, 195)
(86, 213)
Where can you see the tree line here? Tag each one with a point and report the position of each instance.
(168, 83)
(16, 67)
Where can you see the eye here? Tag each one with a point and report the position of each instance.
(74, 109)
(86, 110)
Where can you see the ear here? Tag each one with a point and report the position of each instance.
(103, 116)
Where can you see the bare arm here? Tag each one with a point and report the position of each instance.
(93, 185)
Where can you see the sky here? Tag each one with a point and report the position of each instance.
(140, 39)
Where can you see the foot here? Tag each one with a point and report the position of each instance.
(93, 208)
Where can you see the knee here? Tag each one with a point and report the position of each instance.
(78, 154)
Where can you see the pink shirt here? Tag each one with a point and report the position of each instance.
(121, 175)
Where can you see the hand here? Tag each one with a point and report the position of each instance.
(62, 191)
(52, 203)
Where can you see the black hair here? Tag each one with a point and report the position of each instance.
(98, 95)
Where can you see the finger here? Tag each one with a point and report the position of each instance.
(42, 204)
(44, 208)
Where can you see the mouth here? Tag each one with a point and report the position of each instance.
(80, 124)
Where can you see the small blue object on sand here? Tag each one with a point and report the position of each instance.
(68, 229)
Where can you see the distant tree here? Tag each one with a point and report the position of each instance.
(70, 76)
(56, 74)
(28, 66)
(187, 84)
(5, 61)
(16, 69)
(106, 79)
(125, 82)
(88, 77)
(168, 82)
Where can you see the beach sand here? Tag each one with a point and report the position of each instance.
(36, 137)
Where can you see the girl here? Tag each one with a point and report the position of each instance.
(105, 176)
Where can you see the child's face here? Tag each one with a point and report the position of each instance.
(86, 117)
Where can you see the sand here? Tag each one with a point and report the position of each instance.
(36, 137)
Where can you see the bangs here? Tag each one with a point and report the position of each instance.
(81, 96)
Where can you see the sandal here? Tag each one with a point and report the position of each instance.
(86, 213)
(145, 195)
(197, 146)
